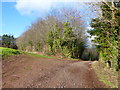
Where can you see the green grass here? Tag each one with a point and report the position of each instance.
(108, 76)
(6, 52)
(37, 55)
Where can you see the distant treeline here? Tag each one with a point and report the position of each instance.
(8, 41)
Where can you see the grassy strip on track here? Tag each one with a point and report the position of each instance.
(37, 55)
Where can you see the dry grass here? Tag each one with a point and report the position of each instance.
(107, 75)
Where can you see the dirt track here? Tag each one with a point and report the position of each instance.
(31, 72)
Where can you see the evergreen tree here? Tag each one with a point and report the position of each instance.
(107, 29)
(8, 41)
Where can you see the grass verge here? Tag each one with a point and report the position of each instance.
(106, 75)
(6, 52)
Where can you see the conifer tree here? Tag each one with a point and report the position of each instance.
(107, 29)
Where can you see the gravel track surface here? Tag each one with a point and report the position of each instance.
(32, 72)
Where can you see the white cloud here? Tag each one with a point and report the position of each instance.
(39, 7)
(32, 7)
